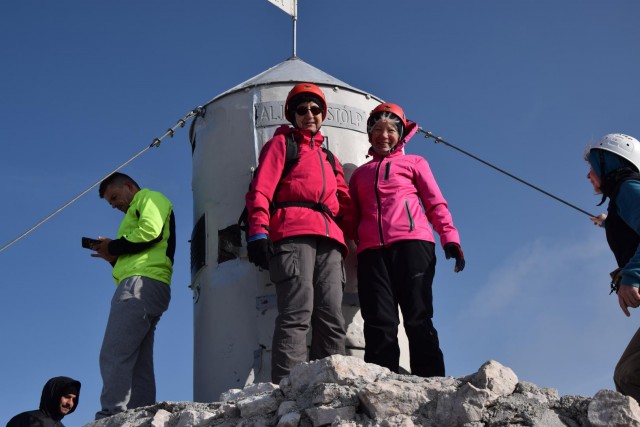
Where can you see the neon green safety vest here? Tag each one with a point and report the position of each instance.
(148, 218)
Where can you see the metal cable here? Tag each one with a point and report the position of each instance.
(437, 140)
(156, 143)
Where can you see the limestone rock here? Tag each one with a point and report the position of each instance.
(610, 408)
(344, 391)
(342, 370)
(495, 377)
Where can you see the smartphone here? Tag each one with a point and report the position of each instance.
(88, 242)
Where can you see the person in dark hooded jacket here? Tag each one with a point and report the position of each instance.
(60, 397)
(615, 162)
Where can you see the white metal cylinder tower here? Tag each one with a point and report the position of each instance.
(234, 302)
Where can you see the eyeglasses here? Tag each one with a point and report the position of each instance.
(302, 111)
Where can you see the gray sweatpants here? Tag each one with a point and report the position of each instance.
(126, 357)
(308, 273)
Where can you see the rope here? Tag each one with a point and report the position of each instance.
(437, 140)
(198, 111)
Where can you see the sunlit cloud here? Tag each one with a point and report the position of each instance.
(545, 312)
(543, 269)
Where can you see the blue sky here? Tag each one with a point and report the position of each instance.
(524, 85)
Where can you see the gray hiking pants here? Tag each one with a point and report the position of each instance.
(627, 373)
(126, 357)
(308, 273)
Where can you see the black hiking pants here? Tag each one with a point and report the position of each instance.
(400, 275)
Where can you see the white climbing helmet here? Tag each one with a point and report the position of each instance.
(623, 145)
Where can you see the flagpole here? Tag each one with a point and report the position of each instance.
(295, 22)
(291, 8)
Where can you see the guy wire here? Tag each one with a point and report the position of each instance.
(156, 143)
(437, 140)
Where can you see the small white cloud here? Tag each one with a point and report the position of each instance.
(541, 270)
(546, 313)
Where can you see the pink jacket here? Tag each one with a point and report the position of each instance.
(388, 195)
(311, 180)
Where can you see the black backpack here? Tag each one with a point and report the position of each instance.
(291, 159)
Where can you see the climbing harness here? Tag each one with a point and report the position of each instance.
(198, 111)
(616, 278)
(437, 140)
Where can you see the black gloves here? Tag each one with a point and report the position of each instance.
(260, 252)
(453, 250)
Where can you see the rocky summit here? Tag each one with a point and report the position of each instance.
(345, 391)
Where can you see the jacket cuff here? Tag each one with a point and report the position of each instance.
(257, 237)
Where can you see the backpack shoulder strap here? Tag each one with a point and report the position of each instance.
(291, 156)
(331, 159)
(290, 159)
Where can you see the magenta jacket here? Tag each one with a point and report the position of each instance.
(311, 180)
(388, 194)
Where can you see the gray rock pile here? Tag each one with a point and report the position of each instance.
(345, 391)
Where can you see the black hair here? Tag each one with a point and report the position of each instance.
(305, 97)
(118, 179)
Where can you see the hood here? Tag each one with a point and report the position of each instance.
(410, 131)
(53, 390)
(607, 163)
(299, 135)
(611, 169)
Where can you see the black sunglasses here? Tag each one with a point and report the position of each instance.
(301, 111)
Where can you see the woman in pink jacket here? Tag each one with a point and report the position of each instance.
(396, 202)
(297, 211)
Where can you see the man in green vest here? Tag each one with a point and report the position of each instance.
(142, 260)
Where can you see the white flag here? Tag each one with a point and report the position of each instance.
(288, 6)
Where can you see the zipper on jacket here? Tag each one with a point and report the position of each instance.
(379, 205)
(386, 170)
(412, 224)
(324, 180)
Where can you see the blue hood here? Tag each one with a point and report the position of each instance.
(612, 162)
